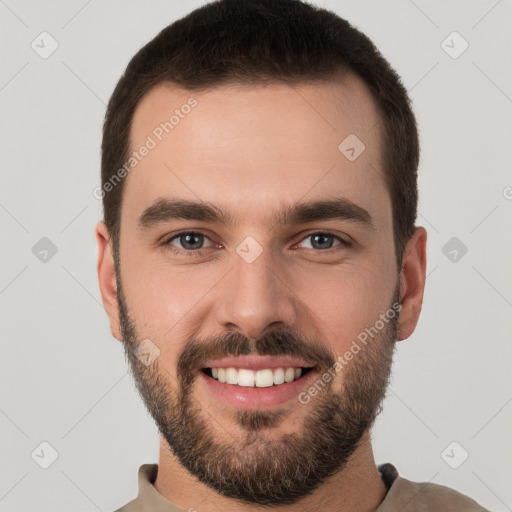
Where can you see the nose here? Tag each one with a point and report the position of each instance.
(255, 297)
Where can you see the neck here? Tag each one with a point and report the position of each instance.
(357, 488)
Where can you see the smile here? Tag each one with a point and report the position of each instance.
(264, 378)
(256, 382)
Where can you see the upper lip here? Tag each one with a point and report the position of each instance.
(257, 362)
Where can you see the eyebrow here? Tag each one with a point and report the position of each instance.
(165, 209)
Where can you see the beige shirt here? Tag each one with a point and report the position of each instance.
(403, 495)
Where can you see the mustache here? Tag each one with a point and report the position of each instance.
(282, 342)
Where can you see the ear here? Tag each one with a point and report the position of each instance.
(412, 283)
(107, 278)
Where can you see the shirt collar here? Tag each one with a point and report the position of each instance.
(151, 500)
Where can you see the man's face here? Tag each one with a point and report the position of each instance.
(266, 294)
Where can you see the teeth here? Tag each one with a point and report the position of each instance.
(279, 376)
(264, 379)
(289, 374)
(231, 376)
(260, 378)
(245, 378)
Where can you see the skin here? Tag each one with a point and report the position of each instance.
(254, 150)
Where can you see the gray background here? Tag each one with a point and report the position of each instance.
(63, 377)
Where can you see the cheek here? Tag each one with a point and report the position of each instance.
(346, 302)
(164, 302)
(153, 289)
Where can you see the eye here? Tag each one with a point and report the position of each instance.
(190, 241)
(323, 241)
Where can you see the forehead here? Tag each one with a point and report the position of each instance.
(249, 148)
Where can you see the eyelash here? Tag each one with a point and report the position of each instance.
(195, 252)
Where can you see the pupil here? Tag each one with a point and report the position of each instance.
(186, 240)
(324, 237)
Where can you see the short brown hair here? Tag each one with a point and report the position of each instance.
(256, 42)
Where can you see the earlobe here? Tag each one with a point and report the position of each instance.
(412, 283)
(107, 278)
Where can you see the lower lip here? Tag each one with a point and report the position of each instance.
(244, 397)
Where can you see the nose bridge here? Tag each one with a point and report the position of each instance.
(254, 295)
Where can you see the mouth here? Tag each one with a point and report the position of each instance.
(263, 378)
(255, 382)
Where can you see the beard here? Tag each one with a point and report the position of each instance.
(253, 467)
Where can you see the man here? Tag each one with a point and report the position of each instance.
(259, 259)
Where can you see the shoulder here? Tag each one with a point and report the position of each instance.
(428, 496)
(147, 494)
(132, 506)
